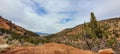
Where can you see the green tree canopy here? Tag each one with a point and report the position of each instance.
(94, 29)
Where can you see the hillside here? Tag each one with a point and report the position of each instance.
(8, 25)
(15, 35)
(11, 35)
(75, 36)
(113, 23)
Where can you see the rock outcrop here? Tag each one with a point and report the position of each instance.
(50, 48)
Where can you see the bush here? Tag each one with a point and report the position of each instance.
(33, 38)
(112, 41)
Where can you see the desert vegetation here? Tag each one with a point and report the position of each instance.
(13, 38)
(93, 35)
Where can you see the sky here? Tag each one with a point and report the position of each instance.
(51, 16)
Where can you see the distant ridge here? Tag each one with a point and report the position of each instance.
(42, 34)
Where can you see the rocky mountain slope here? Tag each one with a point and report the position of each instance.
(74, 36)
(113, 23)
(8, 25)
(13, 34)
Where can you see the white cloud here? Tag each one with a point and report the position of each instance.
(46, 15)
(107, 9)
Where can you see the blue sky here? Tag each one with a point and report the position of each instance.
(51, 16)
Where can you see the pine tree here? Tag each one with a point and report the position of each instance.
(94, 28)
(87, 32)
(93, 21)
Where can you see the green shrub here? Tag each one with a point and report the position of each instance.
(33, 38)
(112, 41)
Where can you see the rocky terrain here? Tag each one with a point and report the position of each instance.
(21, 41)
(15, 35)
(75, 36)
(52, 48)
(8, 25)
(113, 23)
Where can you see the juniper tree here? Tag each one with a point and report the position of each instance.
(94, 29)
(93, 21)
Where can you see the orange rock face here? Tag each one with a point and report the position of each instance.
(106, 51)
(6, 24)
(51, 48)
(3, 24)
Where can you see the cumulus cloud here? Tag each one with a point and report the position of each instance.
(51, 16)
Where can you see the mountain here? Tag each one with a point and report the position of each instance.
(75, 36)
(8, 25)
(13, 34)
(113, 23)
(42, 34)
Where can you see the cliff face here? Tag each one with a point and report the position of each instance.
(6, 24)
